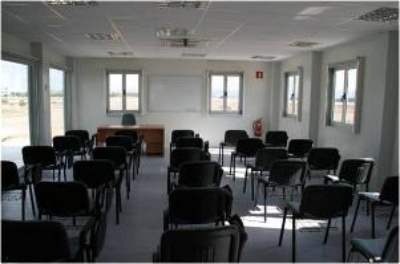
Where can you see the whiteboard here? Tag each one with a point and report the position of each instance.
(175, 94)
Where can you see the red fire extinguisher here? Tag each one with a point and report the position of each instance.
(257, 127)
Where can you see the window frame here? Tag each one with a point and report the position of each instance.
(225, 96)
(358, 65)
(140, 87)
(299, 73)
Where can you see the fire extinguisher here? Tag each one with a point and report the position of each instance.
(257, 127)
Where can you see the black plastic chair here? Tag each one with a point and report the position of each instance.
(201, 173)
(323, 159)
(355, 172)
(39, 158)
(320, 202)
(277, 138)
(299, 148)
(245, 148)
(137, 143)
(128, 119)
(211, 244)
(127, 143)
(283, 174)
(66, 147)
(388, 196)
(177, 158)
(87, 142)
(11, 181)
(178, 133)
(230, 140)
(385, 250)
(117, 155)
(39, 241)
(99, 177)
(198, 206)
(264, 159)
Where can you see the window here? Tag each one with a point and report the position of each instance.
(292, 93)
(123, 91)
(57, 84)
(344, 93)
(226, 93)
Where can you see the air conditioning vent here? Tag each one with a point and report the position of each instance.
(261, 57)
(120, 54)
(71, 3)
(111, 37)
(181, 42)
(382, 14)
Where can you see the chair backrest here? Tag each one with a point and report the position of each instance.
(276, 138)
(178, 133)
(9, 175)
(390, 252)
(181, 155)
(267, 156)
(249, 146)
(211, 244)
(326, 201)
(82, 134)
(93, 173)
(34, 241)
(190, 142)
(199, 205)
(232, 136)
(128, 132)
(62, 198)
(116, 154)
(35, 155)
(323, 159)
(66, 143)
(120, 141)
(300, 147)
(356, 170)
(390, 190)
(201, 173)
(128, 119)
(287, 172)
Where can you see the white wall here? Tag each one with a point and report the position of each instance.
(90, 90)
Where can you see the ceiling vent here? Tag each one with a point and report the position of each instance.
(111, 37)
(178, 37)
(302, 44)
(182, 4)
(261, 57)
(382, 14)
(181, 43)
(71, 3)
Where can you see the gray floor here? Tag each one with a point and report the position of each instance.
(138, 234)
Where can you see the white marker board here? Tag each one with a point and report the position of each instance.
(175, 94)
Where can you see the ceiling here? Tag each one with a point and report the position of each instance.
(217, 30)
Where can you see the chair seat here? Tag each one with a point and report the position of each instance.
(370, 248)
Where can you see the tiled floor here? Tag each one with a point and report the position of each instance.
(140, 229)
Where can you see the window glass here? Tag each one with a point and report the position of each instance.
(123, 91)
(132, 92)
(339, 95)
(351, 95)
(57, 83)
(233, 93)
(217, 93)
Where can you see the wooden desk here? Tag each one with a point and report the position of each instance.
(153, 135)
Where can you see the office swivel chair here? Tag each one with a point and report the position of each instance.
(128, 119)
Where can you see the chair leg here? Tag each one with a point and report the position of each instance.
(328, 226)
(355, 214)
(343, 238)
(283, 226)
(293, 238)
(373, 219)
(32, 202)
(23, 204)
(169, 181)
(234, 168)
(252, 184)
(265, 203)
(245, 180)
(257, 190)
(391, 217)
(231, 164)
(128, 182)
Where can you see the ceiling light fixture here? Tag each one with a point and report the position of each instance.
(382, 14)
(71, 2)
(123, 53)
(262, 57)
(302, 44)
(182, 4)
